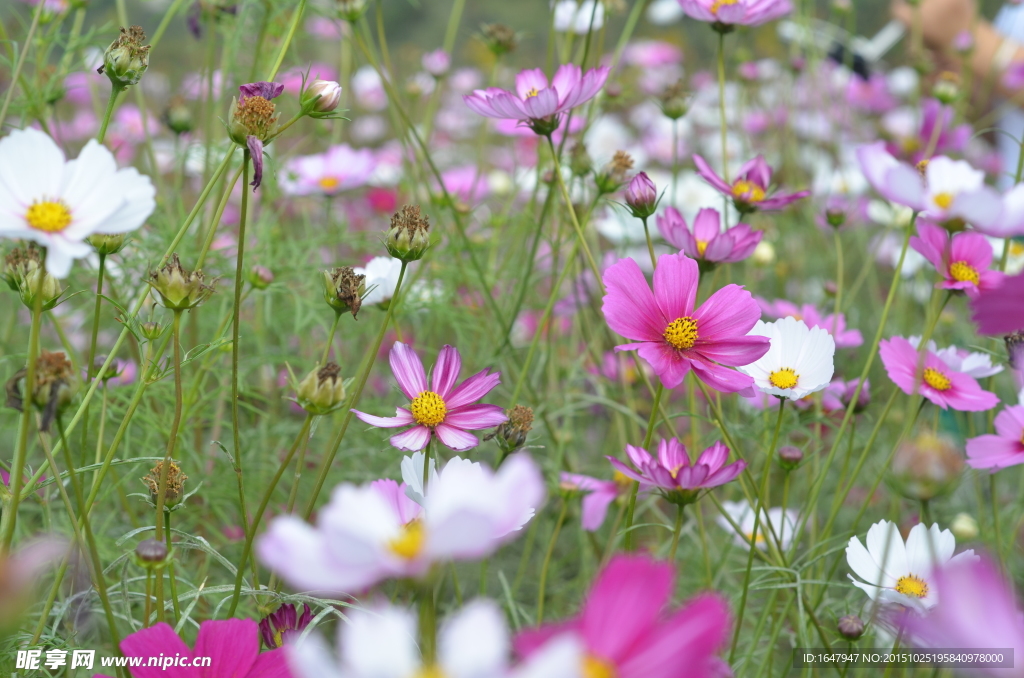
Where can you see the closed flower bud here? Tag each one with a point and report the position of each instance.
(409, 235)
(283, 623)
(947, 88)
(436, 63)
(179, 289)
(107, 244)
(850, 627)
(24, 273)
(323, 96)
(260, 277)
(835, 217)
(344, 289)
(150, 553)
(790, 456)
(151, 330)
(675, 101)
(613, 176)
(926, 467)
(964, 527)
(499, 38)
(175, 487)
(126, 59)
(351, 10)
(642, 196)
(178, 116)
(54, 388)
(322, 391)
(580, 163)
(511, 435)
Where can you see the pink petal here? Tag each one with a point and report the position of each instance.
(670, 365)
(475, 417)
(639, 456)
(735, 352)
(402, 417)
(691, 638)
(714, 456)
(473, 389)
(720, 378)
(446, 371)
(672, 455)
(675, 285)
(231, 644)
(413, 440)
(709, 175)
(455, 438)
(530, 79)
(271, 664)
(626, 471)
(408, 370)
(995, 452)
(159, 638)
(729, 312)
(629, 306)
(595, 508)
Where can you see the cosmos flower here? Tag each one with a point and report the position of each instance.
(444, 410)
(575, 17)
(971, 363)
(1000, 311)
(626, 631)
(671, 335)
(962, 259)
(381, 279)
(340, 168)
(384, 530)
(782, 524)
(598, 495)
(752, 189)
(673, 475)
(938, 382)
(736, 12)
(58, 203)
(838, 394)
(536, 102)
(893, 572)
(1004, 448)
(284, 624)
(799, 362)
(707, 242)
(812, 317)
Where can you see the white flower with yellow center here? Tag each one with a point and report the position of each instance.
(799, 362)
(781, 524)
(58, 203)
(893, 572)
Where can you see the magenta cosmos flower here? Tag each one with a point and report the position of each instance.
(1000, 310)
(736, 12)
(444, 409)
(627, 633)
(598, 495)
(673, 475)
(751, 188)
(537, 103)
(707, 242)
(812, 317)
(962, 259)
(1005, 448)
(673, 337)
(232, 645)
(938, 383)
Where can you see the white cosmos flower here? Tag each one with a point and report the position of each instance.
(58, 203)
(575, 18)
(892, 571)
(782, 523)
(381, 278)
(978, 365)
(381, 643)
(799, 362)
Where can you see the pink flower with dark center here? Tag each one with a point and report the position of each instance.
(627, 632)
(284, 624)
(752, 189)
(1000, 310)
(598, 495)
(444, 410)
(736, 12)
(233, 646)
(1005, 447)
(537, 103)
(937, 382)
(674, 337)
(962, 259)
(673, 475)
(812, 317)
(707, 242)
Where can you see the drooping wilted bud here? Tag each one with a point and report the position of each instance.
(179, 289)
(260, 277)
(24, 273)
(126, 59)
(322, 391)
(55, 386)
(253, 113)
(947, 88)
(675, 101)
(344, 289)
(511, 435)
(282, 623)
(641, 196)
(175, 488)
(151, 553)
(790, 456)
(613, 176)
(926, 467)
(178, 116)
(409, 235)
(580, 163)
(351, 10)
(322, 97)
(107, 244)
(850, 627)
(499, 38)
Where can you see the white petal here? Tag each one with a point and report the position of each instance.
(474, 643)
(380, 643)
(31, 167)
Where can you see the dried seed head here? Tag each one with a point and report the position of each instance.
(127, 58)
(409, 235)
(322, 390)
(55, 386)
(175, 488)
(499, 38)
(344, 289)
(24, 273)
(511, 435)
(613, 176)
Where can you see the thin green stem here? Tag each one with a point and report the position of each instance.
(296, 18)
(675, 533)
(542, 585)
(723, 123)
(165, 466)
(16, 75)
(630, 542)
(572, 215)
(330, 339)
(111, 103)
(650, 244)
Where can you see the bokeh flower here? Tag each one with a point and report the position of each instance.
(673, 475)
(338, 169)
(706, 241)
(812, 317)
(781, 524)
(736, 12)
(1002, 449)
(598, 494)
(752, 189)
(937, 382)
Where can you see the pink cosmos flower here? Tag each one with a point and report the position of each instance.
(938, 383)
(233, 646)
(673, 475)
(750, 190)
(1005, 448)
(736, 12)
(871, 95)
(1000, 310)
(962, 259)
(838, 395)
(537, 103)
(339, 169)
(628, 633)
(707, 243)
(672, 336)
(444, 410)
(599, 494)
(812, 317)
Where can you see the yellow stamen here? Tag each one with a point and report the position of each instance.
(681, 332)
(944, 200)
(936, 379)
(718, 4)
(428, 409)
(48, 215)
(595, 667)
(964, 272)
(532, 93)
(759, 540)
(432, 671)
(622, 480)
(784, 378)
(702, 246)
(912, 585)
(408, 544)
(329, 183)
(747, 191)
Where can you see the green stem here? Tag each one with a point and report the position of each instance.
(90, 369)
(170, 571)
(650, 245)
(287, 41)
(995, 513)
(839, 281)
(16, 75)
(572, 215)
(330, 339)
(630, 542)
(543, 583)
(165, 466)
(675, 534)
(721, 106)
(111, 103)
(426, 463)
(428, 624)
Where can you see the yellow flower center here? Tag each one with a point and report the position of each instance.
(329, 183)
(532, 93)
(912, 585)
(922, 166)
(718, 4)
(595, 667)
(432, 671)
(936, 379)
(745, 190)
(964, 272)
(944, 200)
(48, 215)
(702, 247)
(410, 542)
(622, 480)
(784, 378)
(759, 539)
(279, 638)
(681, 332)
(428, 409)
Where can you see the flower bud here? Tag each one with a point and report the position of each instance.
(126, 59)
(790, 456)
(260, 277)
(150, 553)
(642, 196)
(580, 163)
(511, 435)
(850, 627)
(964, 527)
(285, 621)
(675, 102)
(107, 244)
(409, 235)
(926, 467)
(55, 386)
(175, 488)
(947, 88)
(151, 330)
(613, 175)
(322, 391)
(178, 116)
(24, 273)
(351, 10)
(499, 38)
(179, 289)
(835, 217)
(344, 289)
(323, 96)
